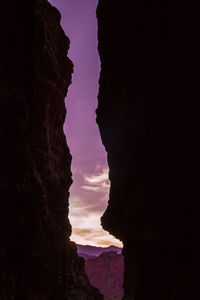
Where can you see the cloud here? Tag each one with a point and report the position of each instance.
(94, 236)
(90, 192)
(90, 188)
(107, 243)
(98, 179)
(82, 232)
(88, 201)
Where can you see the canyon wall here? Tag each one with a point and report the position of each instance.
(105, 272)
(37, 260)
(148, 116)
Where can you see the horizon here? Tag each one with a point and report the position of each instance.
(89, 192)
(99, 246)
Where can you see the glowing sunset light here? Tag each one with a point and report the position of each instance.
(87, 205)
(90, 189)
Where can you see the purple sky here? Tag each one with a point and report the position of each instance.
(89, 192)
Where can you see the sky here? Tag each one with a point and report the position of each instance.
(89, 192)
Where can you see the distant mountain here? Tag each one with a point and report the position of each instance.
(96, 251)
(105, 272)
(105, 268)
(86, 256)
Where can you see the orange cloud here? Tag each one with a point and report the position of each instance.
(106, 243)
(88, 201)
(94, 236)
(81, 231)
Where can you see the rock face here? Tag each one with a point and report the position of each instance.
(37, 260)
(105, 272)
(149, 122)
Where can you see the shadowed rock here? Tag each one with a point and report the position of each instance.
(106, 273)
(148, 116)
(37, 260)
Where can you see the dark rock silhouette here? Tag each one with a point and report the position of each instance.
(148, 116)
(37, 260)
(105, 272)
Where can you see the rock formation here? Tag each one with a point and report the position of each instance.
(149, 122)
(105, 272)
(37, 260)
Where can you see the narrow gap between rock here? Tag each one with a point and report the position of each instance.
(89, 192)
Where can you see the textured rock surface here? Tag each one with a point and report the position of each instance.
(37, 261)
(149, 124)
(105, 272)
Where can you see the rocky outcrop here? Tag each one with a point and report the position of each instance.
(105, 272)
(149, 124)
(79, 286)
(37, 260)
